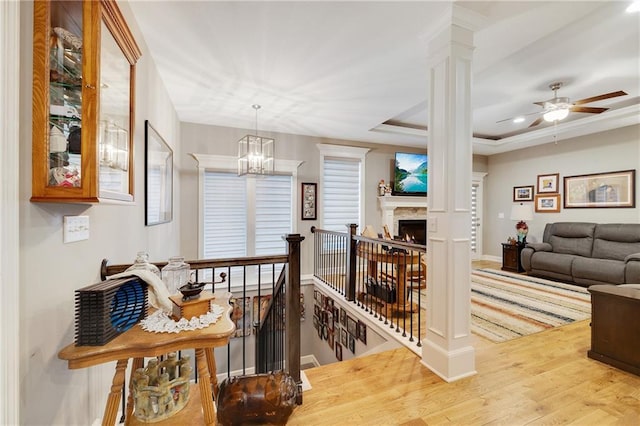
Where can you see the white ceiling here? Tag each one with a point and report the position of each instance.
(344, 69)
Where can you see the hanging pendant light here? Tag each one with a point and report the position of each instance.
(256, 153)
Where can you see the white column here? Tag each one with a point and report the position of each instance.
(9, 174)
(447, 348)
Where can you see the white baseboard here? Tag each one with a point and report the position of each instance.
(309, 359)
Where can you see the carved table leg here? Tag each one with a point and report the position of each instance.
(137, 363)
(211, 363)
(113, 401)
(205, 388)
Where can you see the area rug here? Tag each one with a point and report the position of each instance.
(505, 306)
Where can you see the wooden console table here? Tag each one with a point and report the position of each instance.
(400, 261)
(136, 343)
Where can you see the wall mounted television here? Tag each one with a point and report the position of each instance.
(410, 174)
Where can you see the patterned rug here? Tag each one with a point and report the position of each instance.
(505, 306)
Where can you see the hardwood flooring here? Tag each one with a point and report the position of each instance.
(541, 379)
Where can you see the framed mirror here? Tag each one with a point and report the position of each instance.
(158, 177)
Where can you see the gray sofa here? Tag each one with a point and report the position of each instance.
(586, 253)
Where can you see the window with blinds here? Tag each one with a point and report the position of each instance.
(474, 218)
(340, 193)
(246, 216)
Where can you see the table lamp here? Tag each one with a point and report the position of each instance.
(522, 212)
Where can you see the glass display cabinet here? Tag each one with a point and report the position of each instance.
(84, 58)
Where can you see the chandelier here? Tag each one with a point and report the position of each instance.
(255, 153)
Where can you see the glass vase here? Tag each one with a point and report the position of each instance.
(175, 274)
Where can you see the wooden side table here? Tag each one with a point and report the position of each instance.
(511, 257)
(615, 326)
(136, 343)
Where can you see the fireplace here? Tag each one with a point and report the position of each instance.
(414, 228)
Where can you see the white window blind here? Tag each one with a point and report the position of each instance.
(246, 216)
(272, 214)
(225, 216)
(340, 193)
(474, 218)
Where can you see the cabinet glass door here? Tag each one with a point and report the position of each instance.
(65, 94)
(114, 134)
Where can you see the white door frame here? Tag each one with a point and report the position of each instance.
(9, 223)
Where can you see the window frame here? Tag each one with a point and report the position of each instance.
(229, 164)
(343, 152)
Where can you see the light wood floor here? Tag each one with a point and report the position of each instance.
(542, 379)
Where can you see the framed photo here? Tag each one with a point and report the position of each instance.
(330, 340)
(548, 184)
(241, 316)
(352, 344)
(523, 193)
(343, 337)
(158, 178)
(352, 326)
(362, 332)
(338, 351)
(547, 203)
(343, 317)
(600, 190)
(309, 205)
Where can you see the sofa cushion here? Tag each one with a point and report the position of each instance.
(616, 240)
(632, 273)
(603, 270)
(572, 238)
(547, 261)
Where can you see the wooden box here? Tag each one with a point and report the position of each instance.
(191, 308)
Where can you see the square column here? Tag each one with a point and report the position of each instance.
(447, 348)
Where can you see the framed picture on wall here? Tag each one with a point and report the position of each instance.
(523, 193)
(548, 203)
(158, 178)
(599, 190)
(548, 184)
(309, 205)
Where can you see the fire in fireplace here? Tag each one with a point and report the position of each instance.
(416, 229)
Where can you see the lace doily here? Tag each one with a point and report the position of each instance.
(160, 322)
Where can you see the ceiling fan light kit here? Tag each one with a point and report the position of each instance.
(556, 114)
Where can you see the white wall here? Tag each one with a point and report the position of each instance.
(51, 271)
(603, 152)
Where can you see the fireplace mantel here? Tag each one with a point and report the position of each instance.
(390, 203)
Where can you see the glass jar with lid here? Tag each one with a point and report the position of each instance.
(175, 274)
(142, 263)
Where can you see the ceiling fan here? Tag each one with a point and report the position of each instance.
(558, 108)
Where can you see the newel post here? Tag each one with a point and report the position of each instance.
(292, 315)
(351, 263)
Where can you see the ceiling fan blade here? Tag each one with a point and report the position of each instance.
(590, 110)
(600, 97)
(521, 115)
(535, 123)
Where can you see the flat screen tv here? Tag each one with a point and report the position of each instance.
(410, 174)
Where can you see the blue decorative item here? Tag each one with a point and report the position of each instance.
(109, 308)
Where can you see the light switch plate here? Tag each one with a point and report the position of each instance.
(75, 228)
